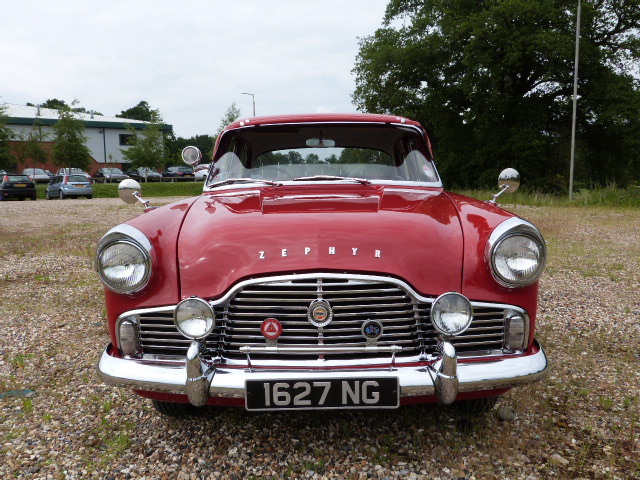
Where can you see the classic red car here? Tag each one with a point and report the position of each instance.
(322, 267)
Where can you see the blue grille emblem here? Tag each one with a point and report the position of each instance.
(372, 329)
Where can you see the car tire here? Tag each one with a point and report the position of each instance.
(176, 410)
(89, 197)
(61, 195)
(46, 195)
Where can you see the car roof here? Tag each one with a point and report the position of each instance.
(322, 118)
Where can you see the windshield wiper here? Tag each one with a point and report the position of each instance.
(230, 181)
(316, 178)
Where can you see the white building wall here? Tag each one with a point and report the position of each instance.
(97, 140)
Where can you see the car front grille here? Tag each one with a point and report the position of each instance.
(404, 317)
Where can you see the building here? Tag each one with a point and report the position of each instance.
(106, 136)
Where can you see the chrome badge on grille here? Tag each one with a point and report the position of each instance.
(320, 313)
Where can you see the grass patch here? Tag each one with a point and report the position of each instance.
(151, 189)
(610, 196)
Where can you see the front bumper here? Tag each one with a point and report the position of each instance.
(445, 378)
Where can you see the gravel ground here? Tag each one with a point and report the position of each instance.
(58, 421)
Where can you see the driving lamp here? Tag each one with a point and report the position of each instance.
(451, 314)
(194, 318)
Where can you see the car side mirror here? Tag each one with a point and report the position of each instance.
(191, 156)
(129, 192)
(508, 181)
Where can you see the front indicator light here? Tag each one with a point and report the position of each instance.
(194, 318)
(515, 332)
(451, 314)
(129, 336)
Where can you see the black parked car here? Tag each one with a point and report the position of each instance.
(142, 173)
(179, 173)
(17, 186)
(109, 175)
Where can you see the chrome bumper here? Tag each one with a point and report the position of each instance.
(200, 380)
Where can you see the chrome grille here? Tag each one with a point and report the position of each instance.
(406, 321)
(353, 302)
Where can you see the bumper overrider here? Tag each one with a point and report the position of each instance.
(201, 379)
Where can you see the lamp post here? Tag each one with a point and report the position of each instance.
(575, 101)
(253, 98)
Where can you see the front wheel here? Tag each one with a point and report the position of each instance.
(176, 410)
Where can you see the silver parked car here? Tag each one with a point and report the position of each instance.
(63, 186)
(38, 175)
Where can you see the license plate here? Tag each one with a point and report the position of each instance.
(324, 393)
(79, 186)
(20, 185)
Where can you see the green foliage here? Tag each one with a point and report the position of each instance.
(492, 83)
(147, 147)
(6, 160)
(142, 111)
(29, 149)
(203, 142)
(69, 148)
(230, 116)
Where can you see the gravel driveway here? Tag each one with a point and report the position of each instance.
(57, 420)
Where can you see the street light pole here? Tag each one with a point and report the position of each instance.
(253, 98)
(575, 101)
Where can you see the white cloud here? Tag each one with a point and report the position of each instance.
(190, 59)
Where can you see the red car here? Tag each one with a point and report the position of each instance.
(322, 267)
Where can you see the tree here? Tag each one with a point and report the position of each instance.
(69, 148)
(492, 83)
(147, 146)
(6, 160)
(29, 147)
(142, 111)
(231, 115)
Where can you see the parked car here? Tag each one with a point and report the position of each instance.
(323, 267)
(72, 186)
(144, 174)
(38, 175)
(17, 186)
(109, 175)
(201, 171)
(49, 174)
(73, 171)
(178, 173)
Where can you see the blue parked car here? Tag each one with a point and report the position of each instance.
(63, 186)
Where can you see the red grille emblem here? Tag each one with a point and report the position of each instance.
(271, 329)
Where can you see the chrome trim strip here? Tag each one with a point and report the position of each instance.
(414, 380)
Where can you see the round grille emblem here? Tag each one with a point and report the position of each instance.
(320, 313)
(372, 329)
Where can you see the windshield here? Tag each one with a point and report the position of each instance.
(375, 152)
(111, 170)
(77, 178)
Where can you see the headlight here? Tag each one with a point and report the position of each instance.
(517, 253)
(451, 314)
(194, 318)
(123, 260)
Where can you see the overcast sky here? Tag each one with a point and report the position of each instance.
(189, 59)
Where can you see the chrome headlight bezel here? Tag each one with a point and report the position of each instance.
(131, 236)
(508, 231)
